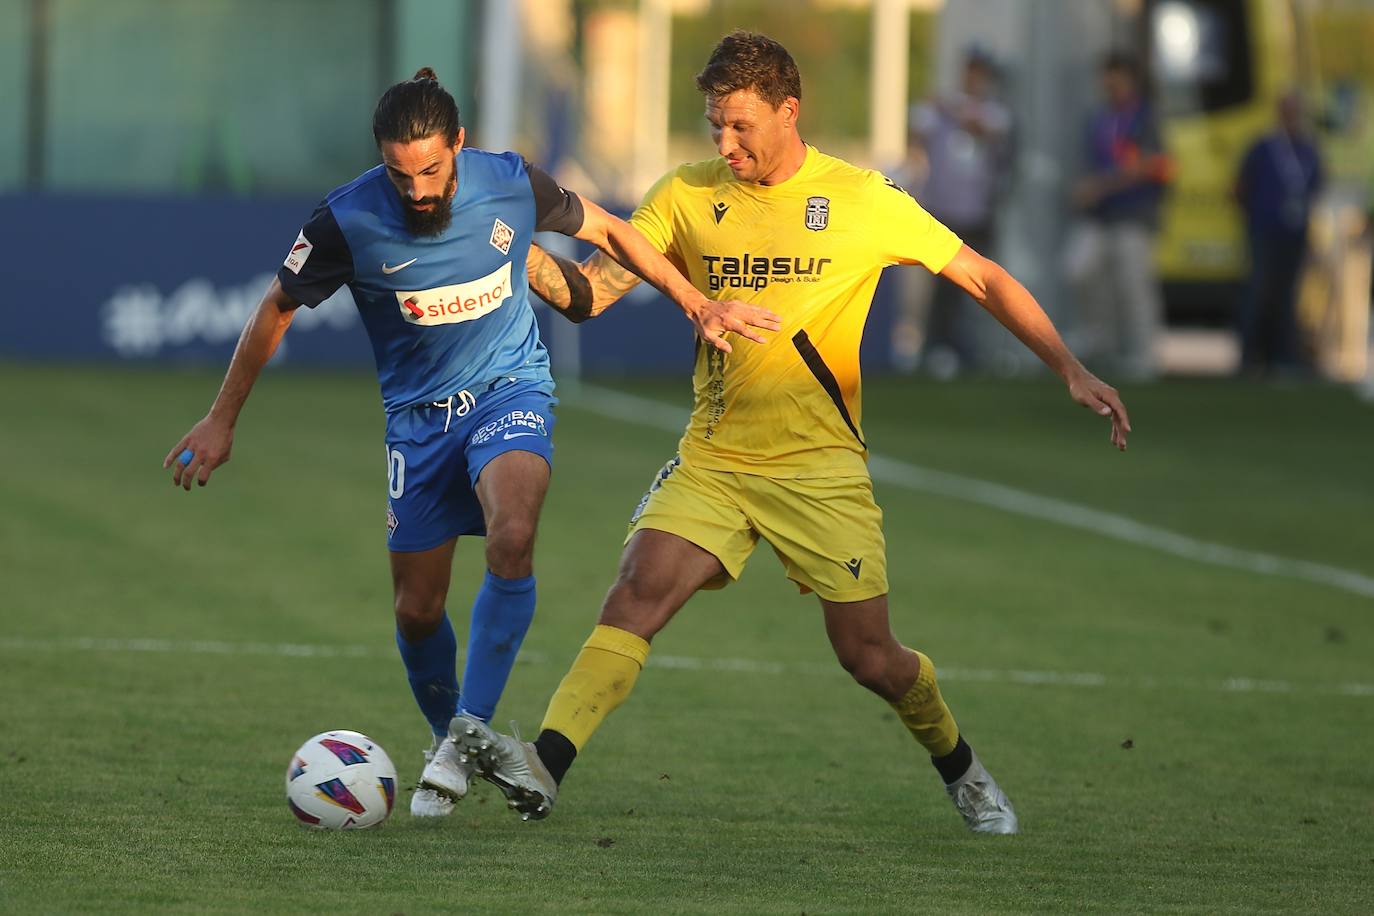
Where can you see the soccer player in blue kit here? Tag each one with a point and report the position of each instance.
(433, 244)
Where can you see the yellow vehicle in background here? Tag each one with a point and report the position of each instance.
(1219, 69)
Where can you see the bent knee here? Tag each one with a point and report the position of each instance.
(638, 604)
(510, 550)
(871, 666)
(418, 614)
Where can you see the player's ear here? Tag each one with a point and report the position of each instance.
(458, 142)
(790, 109)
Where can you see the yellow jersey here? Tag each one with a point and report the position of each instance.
(811, 249)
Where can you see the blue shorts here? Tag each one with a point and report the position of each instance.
(435, 453)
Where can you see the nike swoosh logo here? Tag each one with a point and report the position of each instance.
(392, 270)
(517, 435)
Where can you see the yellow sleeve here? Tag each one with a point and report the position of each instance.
(654, 216)
(905, 233)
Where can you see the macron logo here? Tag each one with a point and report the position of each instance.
(458, 302)
(300, 251)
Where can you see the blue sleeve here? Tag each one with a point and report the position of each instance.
(319, 262)
(556, 209)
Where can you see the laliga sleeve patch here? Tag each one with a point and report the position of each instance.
(299, 253)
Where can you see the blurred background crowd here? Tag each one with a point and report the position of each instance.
(1185, 184)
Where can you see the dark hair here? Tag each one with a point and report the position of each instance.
(748, 60)
(979, 57)
(416, 109)
(1121, 61)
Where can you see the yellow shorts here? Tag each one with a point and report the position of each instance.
(827, 531)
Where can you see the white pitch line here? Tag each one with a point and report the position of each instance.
(691, 663)
(631, 408)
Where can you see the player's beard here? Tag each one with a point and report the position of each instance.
(429, 223)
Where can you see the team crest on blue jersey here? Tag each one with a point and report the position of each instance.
(817, 213)
(391, 522)
(501, 236)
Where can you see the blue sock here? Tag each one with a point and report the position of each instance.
(431, 667)
(500, 617)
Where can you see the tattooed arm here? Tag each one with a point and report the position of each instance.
(578, 291)
(582, 291)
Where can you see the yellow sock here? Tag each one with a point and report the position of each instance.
(924, 713)
(599, 680)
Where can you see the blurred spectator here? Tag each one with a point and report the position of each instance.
(1109, 258)
(961, 140)
(1279, 178)
(915, 285)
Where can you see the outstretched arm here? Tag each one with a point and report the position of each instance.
(1011, 304)
(623, 244)
(578, 291)
(212, 438)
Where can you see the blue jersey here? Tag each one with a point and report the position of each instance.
(445, 313)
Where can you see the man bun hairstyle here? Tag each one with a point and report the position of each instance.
(748, 60)
(416, 109)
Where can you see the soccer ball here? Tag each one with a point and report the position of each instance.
(341, 780)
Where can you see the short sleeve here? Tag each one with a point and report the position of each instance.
(556, 209)
(904, 233)
(654, 216)
(319, 262)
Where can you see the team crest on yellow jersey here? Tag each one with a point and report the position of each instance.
(817, 213)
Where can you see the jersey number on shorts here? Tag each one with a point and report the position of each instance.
(396, 473)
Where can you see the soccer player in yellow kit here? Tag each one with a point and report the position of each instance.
(775, 448)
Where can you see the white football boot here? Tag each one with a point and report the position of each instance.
(443, 782)
(426, 802)
(985, 807)
(512, 765)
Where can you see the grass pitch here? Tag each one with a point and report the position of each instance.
(1177, 736)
